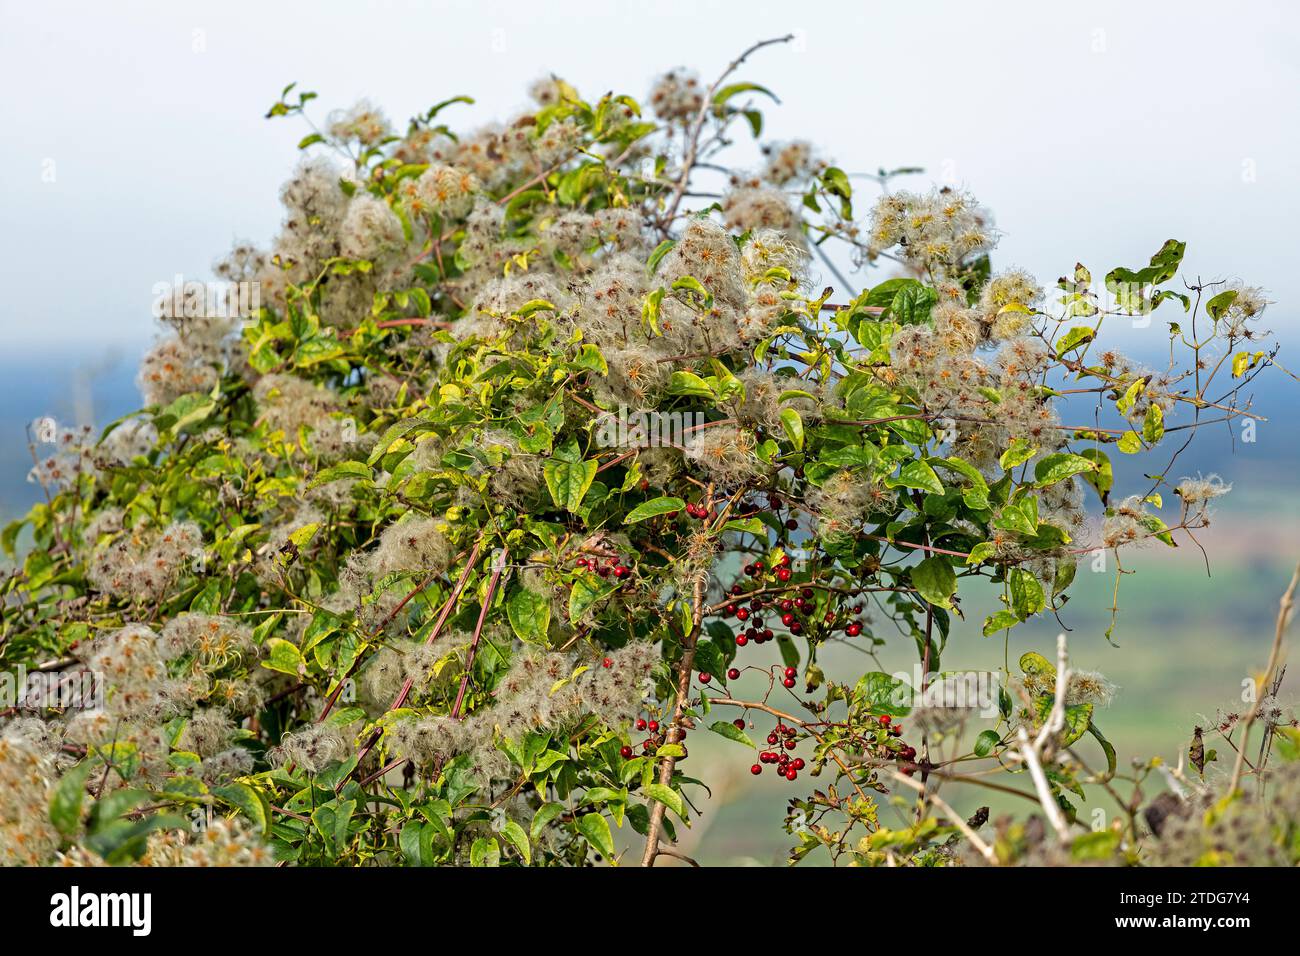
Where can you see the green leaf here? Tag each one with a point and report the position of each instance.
(484, 852)
(936, 581)
(1097, 845)
(515, 835)
(1027, 597)
(725, 728)
(67, 798)
(657, 256)
(1019, 452)
(283, 657)
(1153, 426)
(543, 817)
(1077, 336)
(985, 742)
(586, 591)
(669, 797)
(1102, 477)
(917, 474)
(688, 383)
(653, 508)
(1057, 467)
(1129, 443)
(252, 803)
(568, 482)
(529, 613)
(595, 828)
(793, 425)
(999, 621)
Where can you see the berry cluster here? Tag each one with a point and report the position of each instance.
(612, 565)
(787, 765)
(656, 737)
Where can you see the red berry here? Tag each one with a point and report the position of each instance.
(791, 774)
(758, 566)
(653, 726)
(791, 744)
(796, 628)
(797, 763)
(806, 593)
(580, 563)
(704, 677)
(733, 674)
(788, 682)
(767, 635)
(640, 723)
(742, 614)
(783, 574)
(741, 640)
(792, 524)
(622, 572)
(772, 738)
(740, 723)
(607, 662)
(751, 570)
(787, 618)
(625, 752)
(756, 770)
(790, 672)
(853, 630)
(736, 589)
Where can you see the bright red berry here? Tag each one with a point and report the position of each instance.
(607, 662)
(783, 574)
(704, 677)
(654, 726)
(787, 618)
(640, 723)
(733, 674)
(797, 763)
(854, 629)
(788, 682)
(790, 672)
(741, 640)
(756, 769)
(742, 614)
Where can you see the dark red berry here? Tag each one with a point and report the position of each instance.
(797, 763)
(622, 572)
(751, 570)
(792, 524)
(791, 774)
(704, 677)
(788, 682)
(806, 593)
(772, 738)
(733, 674)
(796, 628)
(791, 744)
(625, 752)
(740, 723)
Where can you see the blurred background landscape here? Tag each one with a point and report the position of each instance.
(1101, 134)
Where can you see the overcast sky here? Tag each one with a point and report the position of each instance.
(135, 146)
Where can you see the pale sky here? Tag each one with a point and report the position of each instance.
(135, 146)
